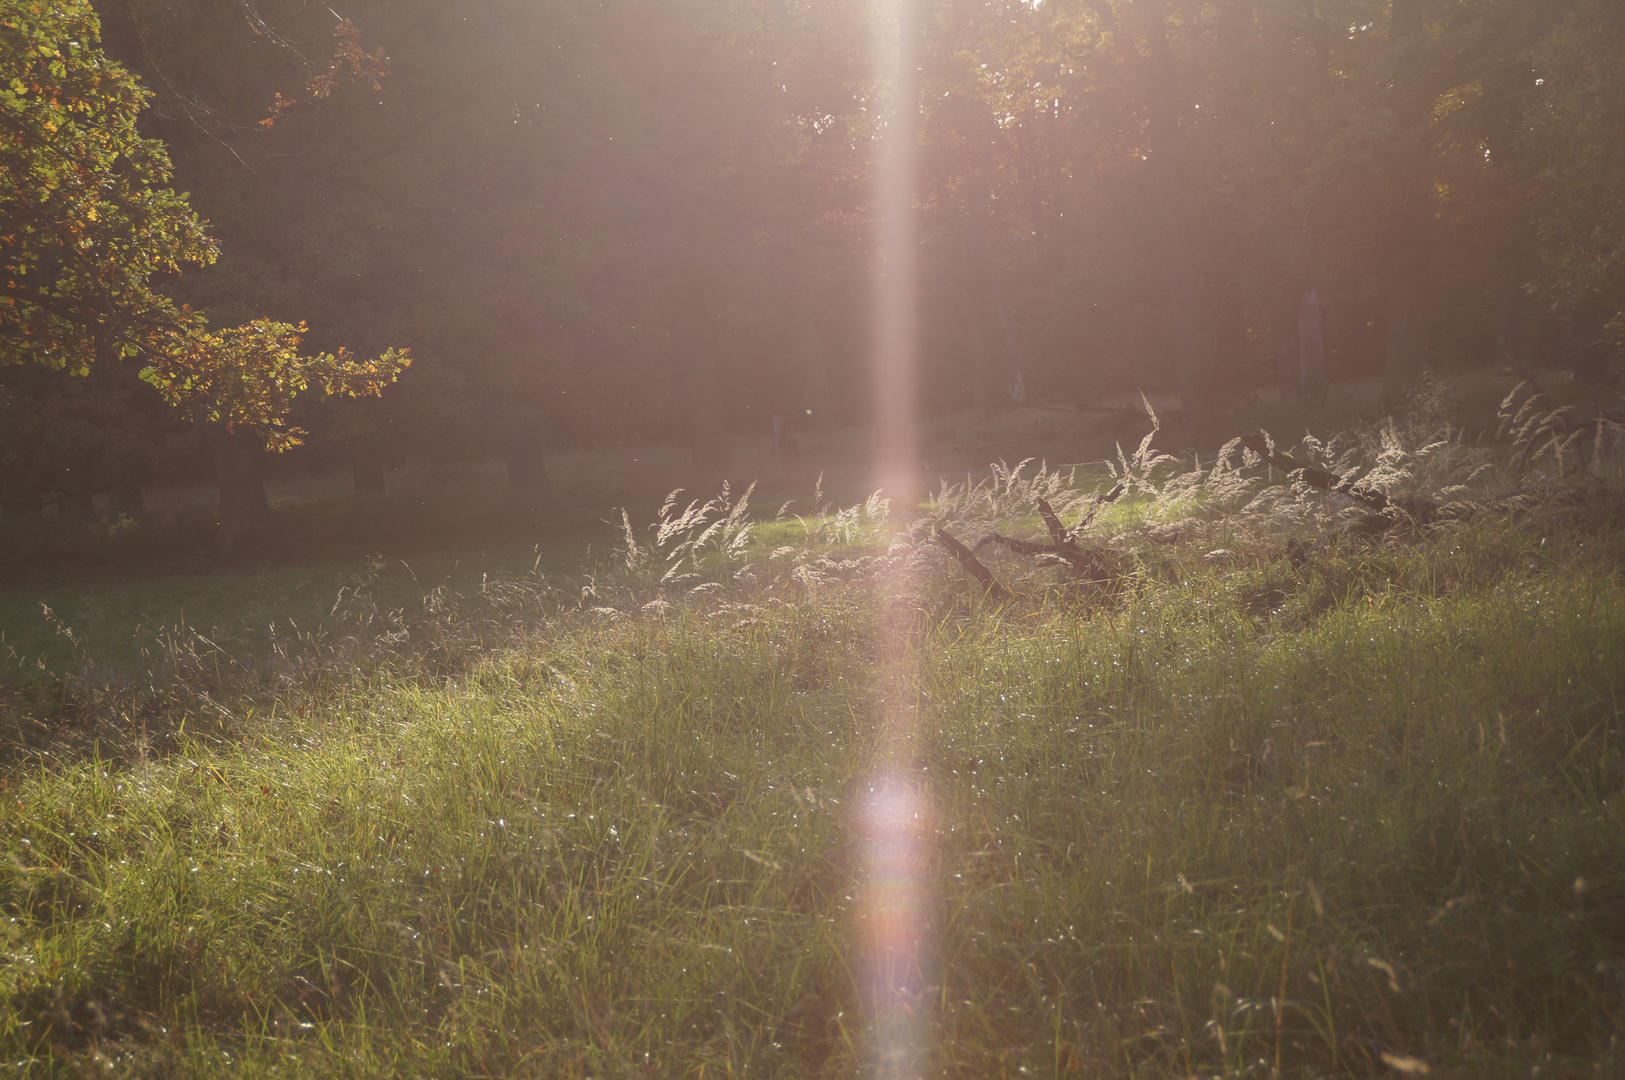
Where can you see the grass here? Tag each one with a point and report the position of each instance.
(111, 626)
(1226, 815)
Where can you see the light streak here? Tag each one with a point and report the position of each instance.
(894, 824)
(894, 313)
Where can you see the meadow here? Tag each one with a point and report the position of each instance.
(1279, 789)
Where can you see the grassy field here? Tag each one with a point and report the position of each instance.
(1271, 795)
(111, 626)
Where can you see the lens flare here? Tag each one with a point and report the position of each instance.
(894, 305)
(893, 822)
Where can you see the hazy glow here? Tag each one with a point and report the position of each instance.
(894, 908)
(893, 823)
(895, 299)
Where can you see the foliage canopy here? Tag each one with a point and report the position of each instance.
(86, 225)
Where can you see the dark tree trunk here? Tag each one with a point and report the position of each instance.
(367, 469)
(239, 472)
(1190, 362)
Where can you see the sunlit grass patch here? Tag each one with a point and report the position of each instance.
(1250, 808)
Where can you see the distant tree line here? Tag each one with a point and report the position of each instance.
(622, 220)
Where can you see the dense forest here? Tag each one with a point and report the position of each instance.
(604, 221)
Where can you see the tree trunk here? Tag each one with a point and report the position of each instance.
(239, 472)
(1190, 363)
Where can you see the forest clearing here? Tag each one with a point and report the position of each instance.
(812, 538)
(1266, 794)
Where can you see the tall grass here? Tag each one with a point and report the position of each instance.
(1231, 813)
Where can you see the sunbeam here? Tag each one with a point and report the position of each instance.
(894, 311)
(894, 824)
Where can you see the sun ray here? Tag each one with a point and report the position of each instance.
(893, 822)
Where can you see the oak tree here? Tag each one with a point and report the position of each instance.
(88, 228)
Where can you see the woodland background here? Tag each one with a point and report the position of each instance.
(602, 223)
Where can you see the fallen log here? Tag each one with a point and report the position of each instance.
(1100, 503)
(1052, 522)
(1064, 543)
(1080, 560)
(973, 566)
(1088, 565)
